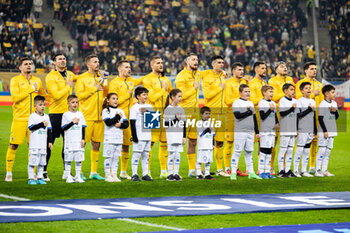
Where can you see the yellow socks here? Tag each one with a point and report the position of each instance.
(191, 161)
(218, 157)
(124, 161)
(163, 155)
(10, 159)
(94, 160)
(313, 153)
(228, 154)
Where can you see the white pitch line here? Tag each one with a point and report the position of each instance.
(150, 224)
(14, 197)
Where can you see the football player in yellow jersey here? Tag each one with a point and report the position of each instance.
(90, 91)
(231, 95)
(59, 83)
(255, 86)
(213, 86)
(277, 83)
(24, 87)
(188, 81)
(158, 86)
(316, 94)
(124, 85)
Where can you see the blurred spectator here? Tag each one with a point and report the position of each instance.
(38, 4)
(336, 62)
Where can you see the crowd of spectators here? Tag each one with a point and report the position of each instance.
(336, 63)
(241, 30)
(22, 34)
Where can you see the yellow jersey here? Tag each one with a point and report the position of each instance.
(214, 95)
(315, 85)
(277, 83)
(122, 86)
(157, 95)
(58, 90)
(255, 86)
(232, 90)
(90, 100)
(185, 81)
(23, 93)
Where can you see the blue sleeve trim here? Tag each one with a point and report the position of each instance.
(30, 126)
(64, 126)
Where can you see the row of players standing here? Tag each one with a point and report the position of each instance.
(219, 94)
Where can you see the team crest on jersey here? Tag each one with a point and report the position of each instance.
(151, 120)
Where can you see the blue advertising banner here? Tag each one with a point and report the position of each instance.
(58, 210)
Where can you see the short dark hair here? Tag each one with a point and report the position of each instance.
(38, 98)
(22, 59)
(155, 58)
(70, 97)
(303, 85)
(89, 57)
(139, 91)
(119, 63)
(204, 109)
(258, 63)
(279, 63)
(216, 57)
(58, 54)
(308, 64)
(242, 86)
(327, 88)
(236, 64)
(286, 86)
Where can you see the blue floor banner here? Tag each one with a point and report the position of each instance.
(79, 209)
(302, 228)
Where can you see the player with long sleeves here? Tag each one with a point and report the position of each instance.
(317, 95)
(213, 86)
(231, 95)
(23, 87)
(277, 83)
(90, 91)
(158, 86)
(188, 81)
(59, 83)
(124, 86)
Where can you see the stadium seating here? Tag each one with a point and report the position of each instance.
(243, 31)
(23, 35)
(337, 63)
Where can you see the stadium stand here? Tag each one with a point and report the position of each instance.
(337, 63)
(243, 31)
(24, 35)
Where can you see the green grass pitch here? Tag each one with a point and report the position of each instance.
(58, 189)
